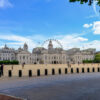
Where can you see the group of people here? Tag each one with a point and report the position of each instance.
(1, 69)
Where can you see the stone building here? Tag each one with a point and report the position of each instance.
(60, 56)
(7, 53)
(23, 55)
(77, 56)
(51, 55)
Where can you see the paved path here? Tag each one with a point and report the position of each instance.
(60, 87)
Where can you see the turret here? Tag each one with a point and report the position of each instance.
(25, 47)
(5, 47)
(50, 46)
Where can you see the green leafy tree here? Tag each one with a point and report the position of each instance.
(87, 61)
(90, 2)
(97, 58)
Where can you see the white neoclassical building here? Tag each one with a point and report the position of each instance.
(7, 53)
(51, 55)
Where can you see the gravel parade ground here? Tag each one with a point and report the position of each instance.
(59, 87)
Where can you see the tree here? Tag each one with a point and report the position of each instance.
(87, 61)
(90, 2)
(97, 58)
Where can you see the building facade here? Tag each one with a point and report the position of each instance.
(51, 55)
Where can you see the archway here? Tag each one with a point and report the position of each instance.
(35, 63)
(30, 73)
(77, 70)
(55, 62)
(38, 72)
(20, 73)
(46, 72)
(53, 71)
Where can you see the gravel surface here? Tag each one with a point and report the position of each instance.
(59, 87)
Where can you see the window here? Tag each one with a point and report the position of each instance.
(23, 57)
(45, 57)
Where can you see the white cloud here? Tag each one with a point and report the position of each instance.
(70, 41)
(92, 44)
(95, 8)
(67, 41)
(96, 27)
(15, 41)
(87, 25)
(5, 3)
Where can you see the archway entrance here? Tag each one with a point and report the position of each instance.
(35, 63)
(20, 73)
(55, 62)
(30, 73)
(38, 72)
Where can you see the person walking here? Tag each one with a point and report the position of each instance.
(2, 69)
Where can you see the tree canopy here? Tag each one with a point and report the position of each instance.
(90, 2)
(96, 59)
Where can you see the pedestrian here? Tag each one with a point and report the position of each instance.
(23, 65)
(1, 69)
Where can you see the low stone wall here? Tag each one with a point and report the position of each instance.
(49, 69)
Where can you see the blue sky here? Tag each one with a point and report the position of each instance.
(34, 21)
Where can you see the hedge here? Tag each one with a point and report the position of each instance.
(7, 62)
